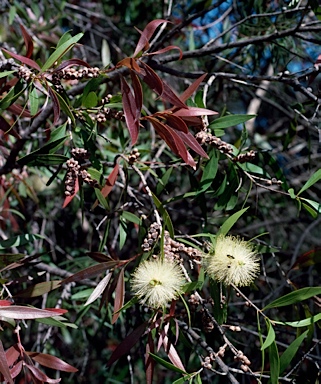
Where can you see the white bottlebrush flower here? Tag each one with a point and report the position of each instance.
(233, 261)
(157, 282)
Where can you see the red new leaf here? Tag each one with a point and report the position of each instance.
(159, 86)
(173, 121)
(149, 362)
(19, 312)
(166, 49)
(89, 272)
(5, 303)
(4, 367)
(146, 34)
(28, 41)
(131, 110)
(23, 59)
(173, 140)
(119, 296)
(192, 88)
(194, 111)
(55, 103)
(190, 140)
(12, 354)
(52, 362)
(39, 375)
(126, 345)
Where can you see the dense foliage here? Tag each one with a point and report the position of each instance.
(160, 191)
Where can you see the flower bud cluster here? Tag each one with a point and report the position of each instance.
(208, 361)
(134, 156)
(173, 250)
(106, 99)
(76, 74)
(107, 113)
(244, 360)
(245, 157)
(25, 73)
(204, 137)
(72, 74)
(71, 177)
(75, 170)
(7, 64)
(152, 237)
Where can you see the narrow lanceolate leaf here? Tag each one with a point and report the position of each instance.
(110, 182)
(52, 362)
(270, 338)
(28, 41)
(89, 272)
(172, 353)
(190, 141)
(4, 368)
(60, 51)
(99, 289)
(119, 296)
(126, 345)
(291, 351)
(173, 140)
(166, 49)
(192, 88)
(274, 363)
(194, 111)
(146, 34)
(25, 60)
(228, 224)
(174, 122)
(131, 110)
(39, 375)
(39, 289)
(312, 180)
(295, 297)
(149, 362)
(18, 312)
(55, 103)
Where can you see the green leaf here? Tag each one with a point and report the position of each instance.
(39, 289)
(122, 233)
(166, 364)
(40, 159)
(312, 180)
(249, 167)
(315, 205)
(230, 121)
(301, 323)
(163, 181)
(291, 351)
(274, 363)
(131, 217)
(54, 322)
(18, 241)
(295, 297)
(310, 210)
(103, 201)
(167, 220)
(209, 173)
(83, 294)
(6, 73)
(34, 101)
(60, 51)
(14, 93)
(216, 291)
(228, 224)
(270, 338)
(90, 101)
(291, 193)
(65, 107)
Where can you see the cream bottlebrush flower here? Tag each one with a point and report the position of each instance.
(233, 261)
(157, 282)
